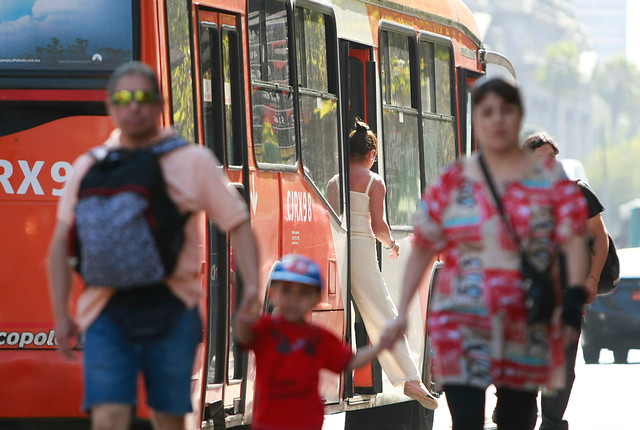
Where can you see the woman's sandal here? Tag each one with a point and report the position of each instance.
(417, 391)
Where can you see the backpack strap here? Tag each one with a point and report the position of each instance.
(168, 145)
(497, 200)
(99, 153)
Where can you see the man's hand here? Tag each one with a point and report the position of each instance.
(591, 286)
(66, 330)
(570, 334)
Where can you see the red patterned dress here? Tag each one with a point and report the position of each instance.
(477, 322)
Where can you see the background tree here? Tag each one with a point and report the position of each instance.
(619, 181)
(618, 83)
(560, 73)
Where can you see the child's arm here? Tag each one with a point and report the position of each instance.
(245, 318)
(365, 355)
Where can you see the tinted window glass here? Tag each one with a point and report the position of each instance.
(426, 77)
(268, 41)
(208, 40)
(319, 132)
(396, 70)
(443, 79)
(402, 166)
(318, 103)
(439, 146)
(437, 120)
(273, 126)
(65, 35)
(231, 93)
(180, 66)
(312, 50)
(400, 126)
(274, 138)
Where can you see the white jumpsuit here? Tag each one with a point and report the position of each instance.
(370, 292)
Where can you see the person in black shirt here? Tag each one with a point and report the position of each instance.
(553, 407)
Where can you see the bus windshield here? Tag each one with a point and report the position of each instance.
(65, 36)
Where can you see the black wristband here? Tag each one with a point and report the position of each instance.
(573, 301)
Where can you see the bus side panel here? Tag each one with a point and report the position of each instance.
(36, 164)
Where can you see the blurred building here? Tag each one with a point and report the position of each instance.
(523, 30)
(606, 22)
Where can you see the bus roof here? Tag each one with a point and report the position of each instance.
(454, 10)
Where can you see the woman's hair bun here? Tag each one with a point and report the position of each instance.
(361, 126)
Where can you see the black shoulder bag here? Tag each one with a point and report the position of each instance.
(540, 298)
(610, 275)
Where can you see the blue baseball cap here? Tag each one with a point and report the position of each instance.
(298, 268)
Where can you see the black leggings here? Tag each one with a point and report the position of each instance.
(514, 409)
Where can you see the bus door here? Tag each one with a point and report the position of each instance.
(358, 77)
(220, 105)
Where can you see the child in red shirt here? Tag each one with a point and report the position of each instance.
(290, 352)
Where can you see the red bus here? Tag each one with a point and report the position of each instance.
(272, 87)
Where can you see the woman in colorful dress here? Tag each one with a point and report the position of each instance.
(478, 320)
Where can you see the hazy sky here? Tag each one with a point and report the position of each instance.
(633, 31)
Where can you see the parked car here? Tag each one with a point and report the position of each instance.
(612, 321)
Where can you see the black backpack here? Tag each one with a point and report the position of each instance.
(127, 232)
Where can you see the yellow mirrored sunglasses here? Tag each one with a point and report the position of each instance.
(143, 97)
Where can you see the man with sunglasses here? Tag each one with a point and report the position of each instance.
(195, 184)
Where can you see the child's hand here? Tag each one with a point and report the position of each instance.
(248, 311)
(396, 328)
(387, 339)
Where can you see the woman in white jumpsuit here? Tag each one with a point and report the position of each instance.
(368, 287)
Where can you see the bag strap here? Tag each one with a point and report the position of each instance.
(168, 145)
(498, 200)
(99, 153)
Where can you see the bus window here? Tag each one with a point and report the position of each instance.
(468, 129)
(400, 127)
(221, 133)
(212, 127)
(274, 139)
(438, 123)
(180, 69)
(318, 98)
(231, 89)
(356, 91)
(52, 40)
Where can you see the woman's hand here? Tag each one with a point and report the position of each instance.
(394, 251)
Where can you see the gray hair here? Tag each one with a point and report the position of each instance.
(136, 68)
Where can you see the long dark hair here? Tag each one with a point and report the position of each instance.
(361, 140)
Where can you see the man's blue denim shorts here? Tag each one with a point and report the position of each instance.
(112, 363)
